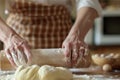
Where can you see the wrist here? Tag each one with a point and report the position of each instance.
(7, 36)
(76, 35)
(75, 31)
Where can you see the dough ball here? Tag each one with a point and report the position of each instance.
(107, 67)
(47, 72)
(27, 73)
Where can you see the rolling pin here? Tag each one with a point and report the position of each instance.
(54, 57)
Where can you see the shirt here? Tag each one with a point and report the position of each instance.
(72, 5)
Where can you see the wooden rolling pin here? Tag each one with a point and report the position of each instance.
(54, 57)
(48, 56)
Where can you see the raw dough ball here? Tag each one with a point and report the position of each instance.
(107, 67)
(47, 72)
(28, 73)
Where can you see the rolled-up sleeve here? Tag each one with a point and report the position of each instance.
(89, 3)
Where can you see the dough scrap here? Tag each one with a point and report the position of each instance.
(44, 72)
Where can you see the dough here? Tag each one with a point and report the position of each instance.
(44, 72)
(47, 72)
(27, 73)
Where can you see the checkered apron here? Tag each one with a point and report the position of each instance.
(43, 26)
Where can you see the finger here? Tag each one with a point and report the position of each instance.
(81, 51)
(74, 52)
(68, 55)
(15, 57)
(74, 56)
(86, 50)
(68, 61)
(21, 56)
(67, 50)
(81, 56)
(27, 53)
(9, 57)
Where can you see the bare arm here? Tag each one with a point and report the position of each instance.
(74, 43)
(16, 48)
(84, 21)
(5, 31)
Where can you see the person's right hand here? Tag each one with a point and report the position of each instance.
(17, 50)
(75, 50)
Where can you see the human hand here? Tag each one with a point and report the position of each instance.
(75, 50)
(17, 50)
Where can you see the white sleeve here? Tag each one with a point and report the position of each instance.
(89, 3)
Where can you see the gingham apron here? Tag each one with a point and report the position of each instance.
(43, 26)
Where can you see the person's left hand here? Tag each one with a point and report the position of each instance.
(17, 50)
(74, 49)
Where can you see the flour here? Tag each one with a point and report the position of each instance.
(75, 77)
(6, 77)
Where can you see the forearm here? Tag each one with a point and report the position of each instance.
(5, 31)
(84, 21)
